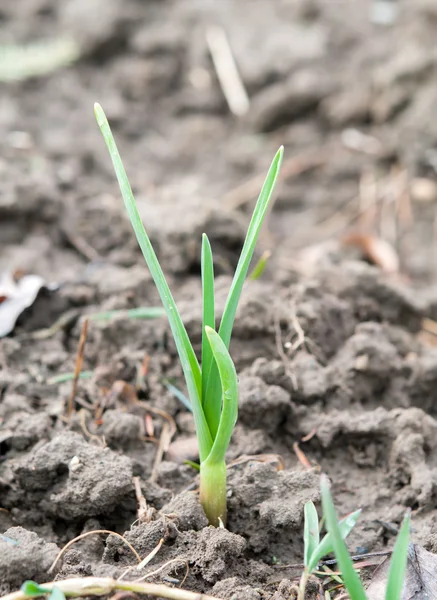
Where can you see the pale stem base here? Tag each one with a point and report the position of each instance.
(213, 491)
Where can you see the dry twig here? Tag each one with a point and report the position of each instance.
(145, 513)
(101, 586)
(302, 457)
(162, 567)
(263, 458)
(227, 71)
(82, 416)
(88, 533)
(78, 367)
(164, 443)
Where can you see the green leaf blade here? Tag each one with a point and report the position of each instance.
(57, 594)
(188, 359)
(227, 321)
(350, 577)
(326, 546)
(229, 383)
(311, 536)
(260, 266)
(253, 231)
(398, 563)
(33, 590)
(211, 410)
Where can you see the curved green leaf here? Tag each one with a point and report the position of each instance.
(227, 321)
(229, 384)
(212, 411)
(185, 350)
(398, 562)
(311, 536)
(33, 589)
(350, 577)
(326, 546)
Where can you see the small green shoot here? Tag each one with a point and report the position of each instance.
(143, 312)
(260, 266)
(311, 534)
(350, 577)
(64, 377)
(398, 563)
(326, 545)
(34, 60)
(314, 549)
(213, 386)
(34, 590)
(177, 394)
(352, 582)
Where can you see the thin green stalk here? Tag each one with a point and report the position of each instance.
(213, 469)
(311, 534)
(188, 359)
(143, 312)
(398, 563)
(213, 387)
(212, 398)
(213, 491)
(351, 579)
(104, 586)
(208, 313)
(260, 266)
(303, 584)
(326, 546)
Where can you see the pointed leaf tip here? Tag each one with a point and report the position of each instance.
(324, 480)
(99, 114)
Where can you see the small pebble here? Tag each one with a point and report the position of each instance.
(75, 464)
(423, 190)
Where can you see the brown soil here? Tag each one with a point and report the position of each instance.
(323, 343)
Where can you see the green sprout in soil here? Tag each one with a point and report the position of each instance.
(85, 587)
(351, 580)
(314, 548)
(213, 385)
(33, 590)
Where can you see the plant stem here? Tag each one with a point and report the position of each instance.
(303, 584)
(102, 586)
(213, 491)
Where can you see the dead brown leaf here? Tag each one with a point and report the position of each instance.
(378, 251)
(420, 579)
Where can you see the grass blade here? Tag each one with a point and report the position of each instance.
(185, 350)
(326, 546)
(398, 563)
(142, 312)
(33, 589)
(178, 394)
(212, 411)
(227, 321)
(311, 536)
(229, 384)
(260, 266)
(18, 62)
(255, 225)
(350, 577)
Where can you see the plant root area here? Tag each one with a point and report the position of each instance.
(334, 344)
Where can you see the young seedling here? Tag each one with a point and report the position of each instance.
(33, 590)
(213, 385)
(352, 582)
(314, 549)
